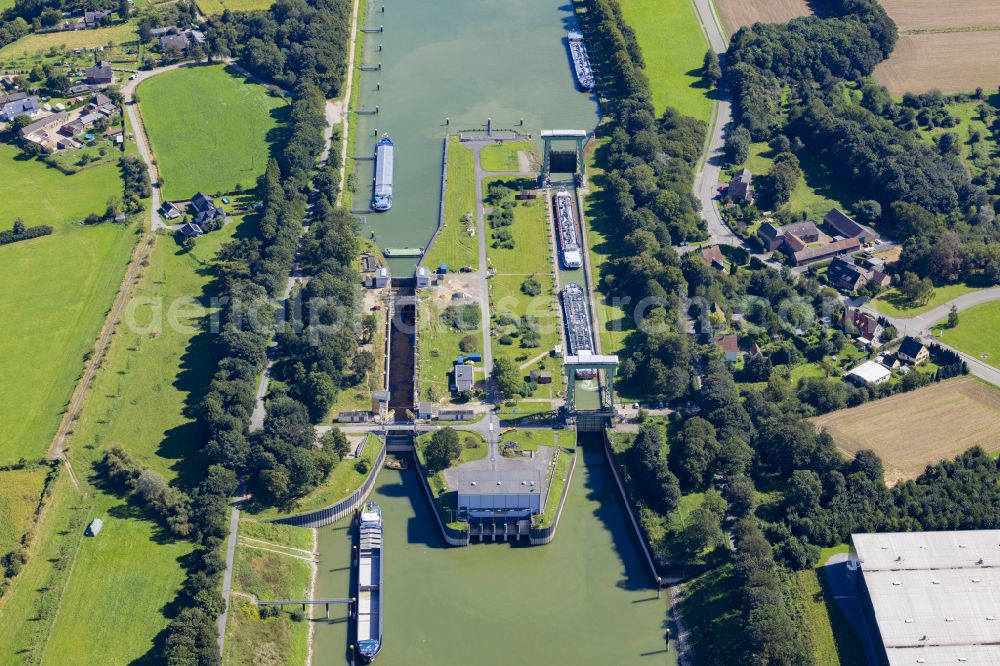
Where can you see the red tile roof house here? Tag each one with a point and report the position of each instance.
(730, 346)
(713, 255)
(869, 330)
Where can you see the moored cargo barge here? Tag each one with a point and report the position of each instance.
(382, 192)
(581, 61)
(569, 243)
(369, 620)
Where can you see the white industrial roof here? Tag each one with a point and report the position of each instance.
(871, 372)
(980, 655)
(935, 595)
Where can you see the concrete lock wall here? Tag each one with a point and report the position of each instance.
(541, 536)
(344, 507)
(451, 536)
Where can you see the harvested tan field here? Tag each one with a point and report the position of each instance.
(948, 61)
(738, 13)
(912, 430)
(941, 14)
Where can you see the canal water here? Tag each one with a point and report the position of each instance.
(583, 599)
(465, 60)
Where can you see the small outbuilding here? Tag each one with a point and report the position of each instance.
(94, 528)
(870, 373)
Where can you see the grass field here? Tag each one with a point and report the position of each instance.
(816, 192)
(437, 347)
(504, 156)
(976, 333)
(531, 256)
(912, 430)
(454, 246)
(75, 39)
(343, 480)
(738, 13)
(29, 608)
(56, 291)
(20, 490)
(833, 640)
(270, 564)
(953, 46)
(559, 478)
(142, 401)
(221, 141)
(529, 439)
(673, 46)
(710, 608)
(893, 304)
(209, 7)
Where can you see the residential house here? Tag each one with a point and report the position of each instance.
(463, 377)
(713, 255)
(793, 236)
(868, 326)
(94, 19)
(770, 236)
(813, 254)
(191, 230)
(913, 351)
(44, 129)
(102, 104)
(880, 278)
(206, 212)
(72, 128)
(869, 373)
(848, 228)
(173, 43)
(17, 104)
(730, 346)
(100, 74)
(162, 31)
(741, 187)
(845, 275)
(170, 211)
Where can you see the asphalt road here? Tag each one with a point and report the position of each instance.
(227, 577)
(921, 326)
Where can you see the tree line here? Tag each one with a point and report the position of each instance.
(20, 231)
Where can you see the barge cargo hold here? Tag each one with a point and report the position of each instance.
(369, 624)
(579, 334)
(581, 62)
(382, 193)
(569, 243)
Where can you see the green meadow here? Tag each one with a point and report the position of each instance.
(20, 490)
(211, 130)
(209, 7)
(142, 401)
(56, 292)
(673, 47)
(454, 246)
(976, 333)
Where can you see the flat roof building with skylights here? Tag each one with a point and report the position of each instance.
(934, 596)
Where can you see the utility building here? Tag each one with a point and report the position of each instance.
(500, 493)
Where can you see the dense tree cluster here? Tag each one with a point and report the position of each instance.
(920, 193)
(283, 460)
(292, 42)
(137, 185)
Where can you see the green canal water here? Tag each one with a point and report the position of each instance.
(583, 599)
(465, 60)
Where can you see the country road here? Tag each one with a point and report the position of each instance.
(920, 326)
(706, 180)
